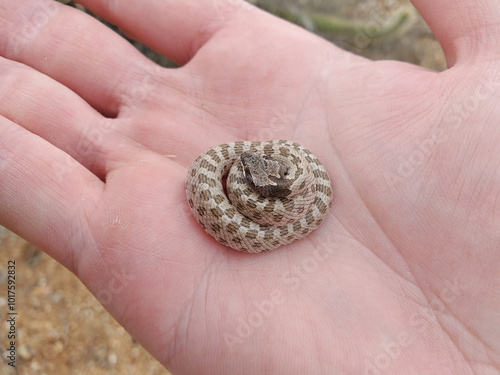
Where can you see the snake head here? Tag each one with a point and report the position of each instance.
(266, 175)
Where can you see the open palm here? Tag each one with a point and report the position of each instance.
(402, 277)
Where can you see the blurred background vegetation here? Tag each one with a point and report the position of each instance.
(376, 29)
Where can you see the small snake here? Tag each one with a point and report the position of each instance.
(257, 196)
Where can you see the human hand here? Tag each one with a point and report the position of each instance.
(404, 268)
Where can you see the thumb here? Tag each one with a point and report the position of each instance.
(466, 29)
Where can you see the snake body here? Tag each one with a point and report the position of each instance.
(276, 192)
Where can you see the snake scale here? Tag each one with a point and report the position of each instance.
(257, 196)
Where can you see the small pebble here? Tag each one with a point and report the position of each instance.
(25, 352)
(112, 359)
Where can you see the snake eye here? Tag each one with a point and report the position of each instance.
(248, 176)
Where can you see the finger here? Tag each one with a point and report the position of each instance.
(74, 49)
(176, 29)
(44, 193)
(465, 29)
(55, 113)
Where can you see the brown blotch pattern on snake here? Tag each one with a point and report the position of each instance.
(250, 219)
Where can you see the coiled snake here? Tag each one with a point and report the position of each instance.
(277, 192)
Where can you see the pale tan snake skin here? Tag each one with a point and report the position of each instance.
(244, 219)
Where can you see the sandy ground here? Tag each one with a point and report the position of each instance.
(61, 328)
